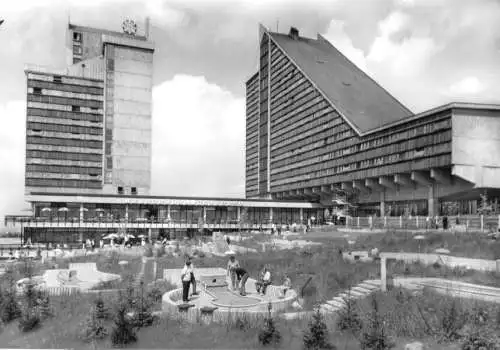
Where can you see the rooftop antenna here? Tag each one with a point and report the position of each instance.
(277, 24)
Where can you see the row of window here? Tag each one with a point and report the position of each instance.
(332, 135)
(65, 80)
(332, 168)
(56, 84)
(62, 107)
(49, 148)
(41, 168)
(300, 91)
(65, 162)
(60, 121)
(63, 128)
(438, 161)
(65, 94)
(313, 126)
(331, 151)
(300, 106)
(68, 115)
(74, 102)
(63, 142)
(63, 183)
(88, 157)
(351, 163)
(390, 148)
(58, 176)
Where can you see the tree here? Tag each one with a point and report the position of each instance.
(94, 328)
(316, 336)
(375, 336)
(123, 332)
(269, 334)
(101, 312)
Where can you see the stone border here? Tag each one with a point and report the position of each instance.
(194, 314)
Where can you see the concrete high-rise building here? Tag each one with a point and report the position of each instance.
(89, 125)
(320, 129)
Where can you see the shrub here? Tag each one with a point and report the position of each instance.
(94, 328)
(123, 332)
(29, 321)
(452, 321)
(348, 317)
(101, 312)
(269, 334)
(45, 306)
(479, 339)
(10, 307)
(375, 337)
(316, 337)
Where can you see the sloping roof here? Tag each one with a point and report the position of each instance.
(356, 96)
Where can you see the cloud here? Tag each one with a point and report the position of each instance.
(466, 87)
(406, 57)
(336, 34)
(198, 139)
(12, 150)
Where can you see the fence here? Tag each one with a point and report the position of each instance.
(463, 223)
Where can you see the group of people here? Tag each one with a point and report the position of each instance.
(237, 275)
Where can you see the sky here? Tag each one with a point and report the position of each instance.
(426, 53)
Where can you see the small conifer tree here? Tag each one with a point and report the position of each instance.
(316, 337)
(101, 312)
(269, 335)
(94, 328)
(123, 332)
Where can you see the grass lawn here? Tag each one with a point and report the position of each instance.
(403, 324)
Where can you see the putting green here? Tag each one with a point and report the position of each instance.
(226, 298)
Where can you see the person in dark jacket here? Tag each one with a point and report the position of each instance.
(242, 277)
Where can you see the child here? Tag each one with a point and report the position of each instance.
(232, 265)
(287, 284)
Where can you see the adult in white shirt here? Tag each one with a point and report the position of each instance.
(187, 273)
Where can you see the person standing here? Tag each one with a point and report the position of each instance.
(193, 279)
(187, 272)
(232, 264)
(241, 277)
(264, 281)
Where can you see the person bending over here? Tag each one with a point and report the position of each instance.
(242, 277)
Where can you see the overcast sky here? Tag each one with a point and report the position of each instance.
(426, 53)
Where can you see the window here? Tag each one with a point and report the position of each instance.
(76, 60)
(37, 91)
(57, 79)
(133, 190)
(120, 190)
(75, 108)
(77, 36)
(77, 50)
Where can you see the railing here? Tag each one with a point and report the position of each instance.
(464, 223)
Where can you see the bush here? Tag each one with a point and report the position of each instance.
(123, 332)
(375, 336)
(269, 334)
(480, 340)
(316, 337)
(10, 307)
(348, 317)
(45, 306)
(94, 328)
(101, 312)
(29, 321)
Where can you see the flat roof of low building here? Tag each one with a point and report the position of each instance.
(166, 200)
